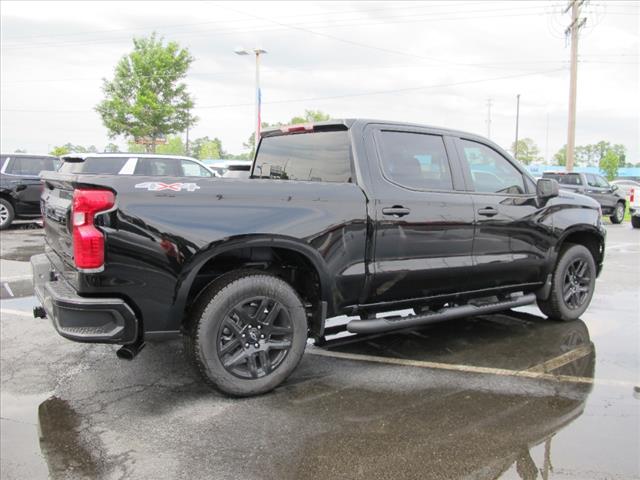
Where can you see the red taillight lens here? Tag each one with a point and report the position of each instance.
(632, 195)
(88, 241)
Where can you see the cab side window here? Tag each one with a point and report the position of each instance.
(161, 167)
(490, 171)
(591, 180)
(192, 169)
(602, 183)
(415, 160)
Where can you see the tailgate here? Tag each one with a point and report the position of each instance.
(56, 203)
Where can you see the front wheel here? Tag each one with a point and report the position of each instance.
(248, 334)
(618, 213)
(573, 284)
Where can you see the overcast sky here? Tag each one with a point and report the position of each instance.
(435, 63)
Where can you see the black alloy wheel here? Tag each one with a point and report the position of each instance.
(255, 337)
(577, 279)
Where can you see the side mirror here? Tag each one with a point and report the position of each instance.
(547, 188)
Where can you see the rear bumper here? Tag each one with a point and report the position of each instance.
(81, 319)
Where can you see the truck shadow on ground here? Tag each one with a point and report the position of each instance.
(337, 418)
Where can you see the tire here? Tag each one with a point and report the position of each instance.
(618, 213)
(575, 270)
(7, 214)
(232, 316)
(635, 221)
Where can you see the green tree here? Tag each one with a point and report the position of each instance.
(146, 98)
(526, 152)
(310, 116)
(609, 164)
(71, 148)
(112, 148)
(174, 146)
(133, 147)
(560, 156)
(204, 148)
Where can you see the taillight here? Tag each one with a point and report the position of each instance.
(632, 195)
(305, 127)
(88, 241)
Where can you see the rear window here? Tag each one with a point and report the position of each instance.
(564, 178)
(316, 157)
(95, 165)
(31, 166)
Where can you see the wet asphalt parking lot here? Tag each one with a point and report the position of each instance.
(501, 396)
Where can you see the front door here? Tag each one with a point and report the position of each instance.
(509, 245)
(423, 219)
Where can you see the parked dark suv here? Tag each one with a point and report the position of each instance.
(610, 197)
(20, 185)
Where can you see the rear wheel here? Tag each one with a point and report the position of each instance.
(572, 287)
(618, 213)
(7, 214)
(248, 333)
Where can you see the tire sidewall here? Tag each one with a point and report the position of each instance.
(11, 211)
(615, 218)
(210, 323)
(570, 255)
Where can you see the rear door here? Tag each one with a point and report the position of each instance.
(509, 247)
(601, 191)
(423, 219)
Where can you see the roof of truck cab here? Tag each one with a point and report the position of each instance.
(42, 155)
(86, 155)
(349, 122)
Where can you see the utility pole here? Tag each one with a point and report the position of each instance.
(573, 30)
(515, 145)
(489, 103)
(546, 143)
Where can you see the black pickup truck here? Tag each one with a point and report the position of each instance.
(353, 217)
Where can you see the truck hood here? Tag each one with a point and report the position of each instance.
(578, 199)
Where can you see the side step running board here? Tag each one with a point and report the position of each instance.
(378, 325)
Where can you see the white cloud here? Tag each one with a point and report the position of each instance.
(55, 53)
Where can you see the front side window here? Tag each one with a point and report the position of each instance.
(591, 180)
(192, 169)
(415, 160)
(601, 182)
(490, 171)
(316, 157)
(30, 166)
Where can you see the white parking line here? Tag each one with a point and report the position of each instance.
(8, 289)
(466, 368)
(562, 360)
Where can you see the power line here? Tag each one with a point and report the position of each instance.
(331, 97)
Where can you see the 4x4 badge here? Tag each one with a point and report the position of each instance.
(175, 187)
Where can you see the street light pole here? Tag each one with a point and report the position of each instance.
(258, 94)
(515, 145)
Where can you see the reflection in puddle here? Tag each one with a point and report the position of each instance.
(61, 444)
(484, 431)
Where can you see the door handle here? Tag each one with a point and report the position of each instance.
(488, 212)
(396, 211)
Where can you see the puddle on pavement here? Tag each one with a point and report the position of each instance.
(66, 454)
(19, 433)
(23, 304)
(40, 439)
(511, 340)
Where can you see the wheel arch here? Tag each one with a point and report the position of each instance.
(288, 258)
(587, 235)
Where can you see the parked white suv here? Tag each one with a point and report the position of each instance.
(148, 164)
